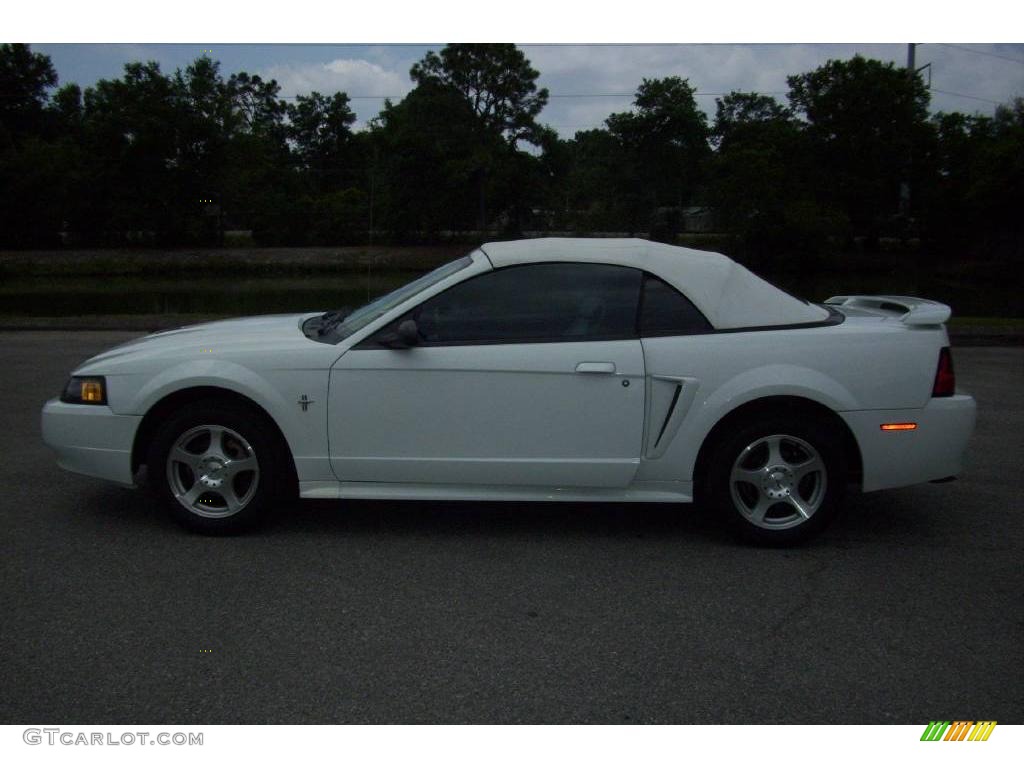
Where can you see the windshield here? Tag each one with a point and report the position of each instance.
(343, 325)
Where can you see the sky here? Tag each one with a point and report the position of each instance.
(586, 82)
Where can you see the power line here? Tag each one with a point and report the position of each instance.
(573, 95)
(980, 53)
(966, 96)
(350, 98)
(604, 95)
(632, 95)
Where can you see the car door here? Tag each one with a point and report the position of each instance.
(531, 375)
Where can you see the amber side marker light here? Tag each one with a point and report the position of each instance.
(898, 427)
(92, 392)
(85, 390)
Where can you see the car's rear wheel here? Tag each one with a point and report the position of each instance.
(217, 467)
(778, 480)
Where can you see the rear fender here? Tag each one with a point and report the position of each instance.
(775, 380)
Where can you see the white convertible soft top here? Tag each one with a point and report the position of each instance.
(729, 295)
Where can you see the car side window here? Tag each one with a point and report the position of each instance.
(664, 311)
(535, 303)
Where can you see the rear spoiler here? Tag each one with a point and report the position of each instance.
(909, 309)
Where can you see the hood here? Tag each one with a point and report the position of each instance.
(261, 335)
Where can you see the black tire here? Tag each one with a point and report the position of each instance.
(794, 496)
(239, 481)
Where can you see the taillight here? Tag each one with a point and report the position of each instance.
(945, 381)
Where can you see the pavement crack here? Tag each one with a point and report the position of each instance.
(809, 584)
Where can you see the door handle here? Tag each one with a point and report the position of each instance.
(595, 368)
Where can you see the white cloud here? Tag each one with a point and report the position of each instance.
(357, 77)
(365, 82)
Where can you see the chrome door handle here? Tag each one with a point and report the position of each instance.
(595, 368)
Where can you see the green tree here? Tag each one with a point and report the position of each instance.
(321, 129)
(131, 133)
(261, 189)
(998, 185)
(206, 120)
(499, 86)
(257, 105)
(749, 117)
(864, 119)
(979, 184)
(556, 162)
(25, 81)
(759, 181)
(599, 187)
(428, 168)
(67, 109)
(665, 138)
(334, 203)
(497, 81)
(32, 177)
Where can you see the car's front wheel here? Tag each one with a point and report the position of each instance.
(778, 480)
(217, 467)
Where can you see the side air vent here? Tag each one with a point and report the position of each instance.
(668, 414)
(668, 401)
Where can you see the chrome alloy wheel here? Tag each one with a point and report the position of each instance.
(778, 482)
(212, 471)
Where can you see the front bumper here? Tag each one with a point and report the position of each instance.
(933, 451)
(91, 439)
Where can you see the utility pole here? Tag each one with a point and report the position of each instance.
(369, 260)
(904, 208)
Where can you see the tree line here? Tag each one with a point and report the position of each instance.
(172, 159)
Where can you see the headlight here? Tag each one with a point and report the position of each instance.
(85, 390)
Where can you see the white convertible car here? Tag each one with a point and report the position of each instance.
(552, 369)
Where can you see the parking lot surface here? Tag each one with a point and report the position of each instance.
(909, 609)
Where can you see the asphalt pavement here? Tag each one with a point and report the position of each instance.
(909, 609)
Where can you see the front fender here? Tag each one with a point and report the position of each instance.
(197, 373)
(279, 392)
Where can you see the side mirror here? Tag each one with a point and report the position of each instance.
(404, 336)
